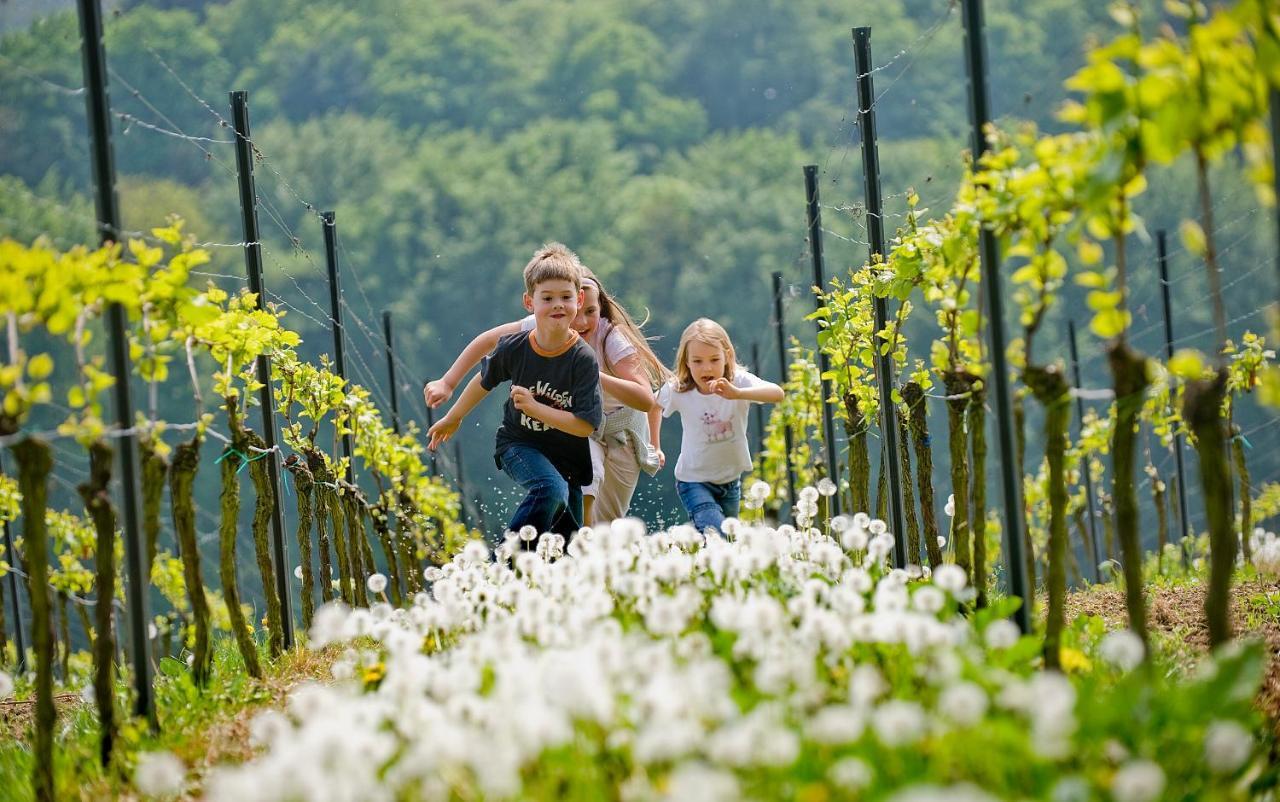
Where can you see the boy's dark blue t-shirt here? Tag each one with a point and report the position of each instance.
(567, 379)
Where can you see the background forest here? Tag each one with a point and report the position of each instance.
(661, 140)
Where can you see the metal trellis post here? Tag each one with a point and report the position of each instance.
(875, 237)
(788, 437)
(1010, 481)
(1162, 257)
(253, 264)
(814, 214)
(108, 214)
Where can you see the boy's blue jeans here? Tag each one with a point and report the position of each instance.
(708, 504)
(550, 504)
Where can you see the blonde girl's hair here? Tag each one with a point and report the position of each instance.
(552, 262)
(707, 332)
(614, 312)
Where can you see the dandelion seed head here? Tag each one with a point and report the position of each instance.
(159, 774)
(1138, 781)
(1122, 649)
(1227, 746)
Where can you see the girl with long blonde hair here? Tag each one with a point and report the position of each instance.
(713, 395)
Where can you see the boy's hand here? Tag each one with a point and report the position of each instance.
(440, 433)
(522, 398)
(662, 457)
(725, 388)
(437, 392)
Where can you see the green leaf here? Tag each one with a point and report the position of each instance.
(40, 366)
(1187, 363)
(1102, 301)
(1091, 279)
(1193, 238)
(1109, 323)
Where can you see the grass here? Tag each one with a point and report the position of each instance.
(202, 728)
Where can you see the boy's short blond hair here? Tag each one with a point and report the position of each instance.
(552, 262)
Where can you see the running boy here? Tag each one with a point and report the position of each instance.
(554, 404)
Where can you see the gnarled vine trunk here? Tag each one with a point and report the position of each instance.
(228, 526)
(918, 424)
(95, 492)
(1020, 460)
(1051, 389)
(358, 542)
(859, 456)
(1246, 502)
(34, 465)
(182, 475)
(154, 469)
(959, 387)
(264, 502)
(908, 495)
(304, 486)
(978, 496)
(1202, 410)
(1129, 374)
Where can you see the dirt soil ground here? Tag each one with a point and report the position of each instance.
(1178, 612)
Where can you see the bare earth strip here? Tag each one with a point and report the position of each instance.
(1178, 627)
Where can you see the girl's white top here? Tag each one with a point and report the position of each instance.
(610, 346)
(713, 440)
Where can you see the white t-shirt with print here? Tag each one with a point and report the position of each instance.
(610, 346)
(713, 440)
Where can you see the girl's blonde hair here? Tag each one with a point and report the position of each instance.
(614, 312)
(707, 332)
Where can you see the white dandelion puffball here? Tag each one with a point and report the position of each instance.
(759, 490)
(1227, 745)
(950, 509)
(1002, 634)
(1122, 649)
(808, 495)
(6, 685)
(850, 774)
(377, 583)
(159, 774)
(942, 542)
(297, 572)
(528, 534)
(950, 577)
(965, 703)
(826, 487)
(1139, 781)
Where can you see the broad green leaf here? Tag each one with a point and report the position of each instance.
(1193, 238)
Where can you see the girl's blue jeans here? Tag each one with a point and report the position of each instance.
(550, 503)
(708, 504)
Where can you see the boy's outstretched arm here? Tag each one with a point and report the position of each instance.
(561, 419)
(438, 391)
(446, 426)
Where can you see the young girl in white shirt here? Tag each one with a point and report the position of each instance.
(713, 395)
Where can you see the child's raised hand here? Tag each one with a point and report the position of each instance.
(437, 392)
(724, 388)
(522, 398)
(441, 431)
